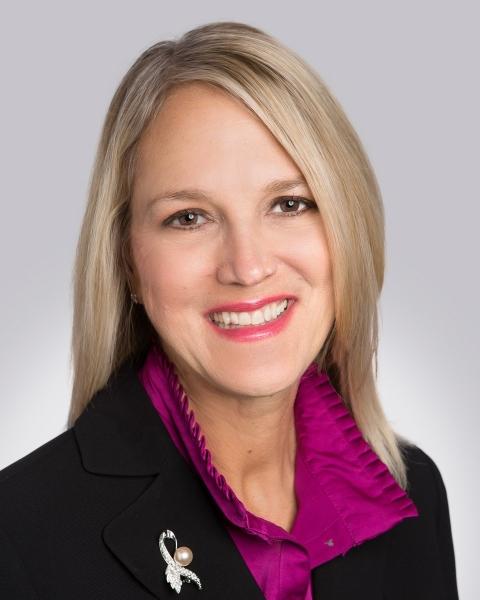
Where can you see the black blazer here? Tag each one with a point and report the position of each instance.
(80, 518)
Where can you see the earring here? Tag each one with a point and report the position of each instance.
(134, 298)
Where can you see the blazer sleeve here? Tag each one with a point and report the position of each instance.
(14, 581)
(421, 561)
(444, 537)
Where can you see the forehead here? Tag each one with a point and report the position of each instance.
(205, 137)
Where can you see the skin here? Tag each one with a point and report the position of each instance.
(246, 245)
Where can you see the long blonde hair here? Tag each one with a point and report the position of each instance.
(307, 120)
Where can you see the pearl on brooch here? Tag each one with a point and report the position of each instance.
(183, 556)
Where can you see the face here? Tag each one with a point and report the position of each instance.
(210, 229)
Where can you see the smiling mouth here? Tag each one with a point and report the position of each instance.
(258, 318)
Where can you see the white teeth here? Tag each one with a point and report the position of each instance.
(257, 317)
(267, 313)
(244, 319)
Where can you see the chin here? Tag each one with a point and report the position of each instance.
(255, 382)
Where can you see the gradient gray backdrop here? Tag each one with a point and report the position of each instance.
(407, 74)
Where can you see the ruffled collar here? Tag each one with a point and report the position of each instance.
(342, 486)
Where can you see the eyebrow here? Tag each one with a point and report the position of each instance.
(274, 186)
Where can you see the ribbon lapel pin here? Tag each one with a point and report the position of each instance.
(182, 557)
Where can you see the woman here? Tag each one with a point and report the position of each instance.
(225, 437)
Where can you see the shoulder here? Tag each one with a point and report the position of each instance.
(33, 495)
(51, 454)
(425, 482)
(421, 560)
(36, 475)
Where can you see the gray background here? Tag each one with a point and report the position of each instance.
(406, 74)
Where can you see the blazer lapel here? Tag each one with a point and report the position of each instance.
(121, 434)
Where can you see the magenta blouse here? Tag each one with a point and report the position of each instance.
(345, 493)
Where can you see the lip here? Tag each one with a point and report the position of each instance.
(249, 305)
(254, 333)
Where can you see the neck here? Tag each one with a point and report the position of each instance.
(253, 444)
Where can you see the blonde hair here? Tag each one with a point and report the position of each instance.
(307, 120)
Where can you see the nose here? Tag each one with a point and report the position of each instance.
(247, 258)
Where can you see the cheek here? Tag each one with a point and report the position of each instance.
(170, 277)
(308, 253)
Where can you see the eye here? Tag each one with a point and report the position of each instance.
(291, 203)
(190, 217)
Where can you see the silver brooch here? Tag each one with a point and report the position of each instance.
(182, 557)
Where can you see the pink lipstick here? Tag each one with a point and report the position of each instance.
(249, 305)
(250, 333)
